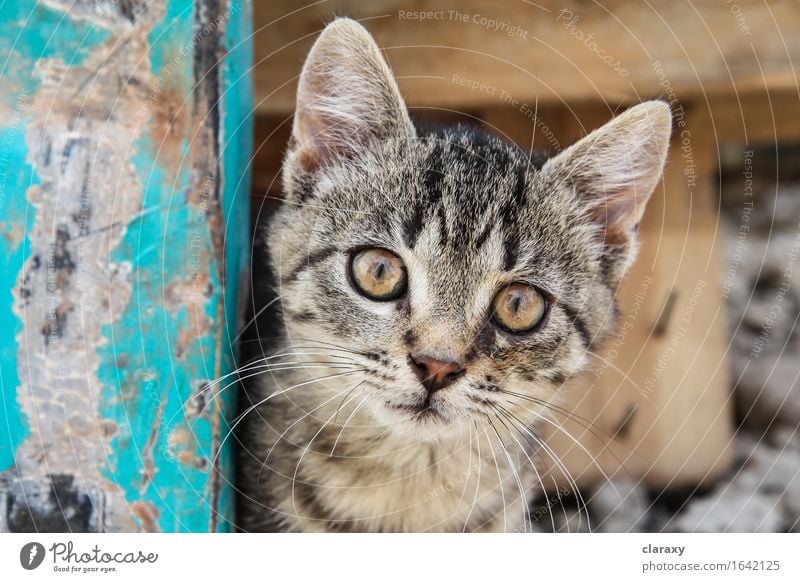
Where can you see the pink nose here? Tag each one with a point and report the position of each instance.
(435, 374)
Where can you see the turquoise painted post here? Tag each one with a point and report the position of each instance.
(125, 132)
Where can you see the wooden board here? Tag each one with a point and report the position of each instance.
(472, 53)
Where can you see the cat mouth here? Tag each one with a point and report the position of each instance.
(422, 411)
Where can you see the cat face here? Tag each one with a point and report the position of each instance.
(465, 276)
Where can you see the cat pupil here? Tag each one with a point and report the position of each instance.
(380, 269)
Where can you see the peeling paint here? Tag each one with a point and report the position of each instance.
(149, 468)
(13, 233)
(188, 458)
(190, 298)
(179, 437)
(112, 336)
(78, 144)
(147, 515)
(168, 127)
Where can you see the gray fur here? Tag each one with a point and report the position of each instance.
(327, 448)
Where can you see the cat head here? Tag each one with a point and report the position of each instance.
(463, 274)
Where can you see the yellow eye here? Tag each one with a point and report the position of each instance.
(519, 307)
(379, 274)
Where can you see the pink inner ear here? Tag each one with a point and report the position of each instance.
(615, 169)
(617, 214)
(346, 97)
(315, 135)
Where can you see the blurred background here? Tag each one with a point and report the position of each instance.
(689, 419)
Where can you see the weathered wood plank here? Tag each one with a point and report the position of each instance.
(473, 53)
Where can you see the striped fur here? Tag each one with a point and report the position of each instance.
(330, 446)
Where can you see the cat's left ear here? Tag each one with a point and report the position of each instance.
(614, 170)
(346, 98)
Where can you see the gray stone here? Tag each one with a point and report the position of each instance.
(619, 506)
(731, 511)
(764, 300)
(785, 436)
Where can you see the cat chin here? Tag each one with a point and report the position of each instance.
(430, 432)
(435, 425)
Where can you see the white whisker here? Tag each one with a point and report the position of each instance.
(500, 478)
(523, 498)
(352, 414)
(477, 482)
(550, 453)
(268, 398)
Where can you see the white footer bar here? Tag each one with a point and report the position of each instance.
(406, 558)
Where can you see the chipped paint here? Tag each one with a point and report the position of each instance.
(59, 288)
(147, 515)
(188, 298)
(149, 467)
(121, 302)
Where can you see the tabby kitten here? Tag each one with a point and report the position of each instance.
(436, 289)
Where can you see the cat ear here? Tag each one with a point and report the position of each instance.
(347, 97)
(615, 169)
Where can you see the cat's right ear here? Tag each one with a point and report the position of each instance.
(613, 171)
(346, 98)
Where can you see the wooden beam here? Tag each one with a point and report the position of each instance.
(473, 54)
(753, 118)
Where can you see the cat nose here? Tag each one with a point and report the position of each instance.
(435, 374)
